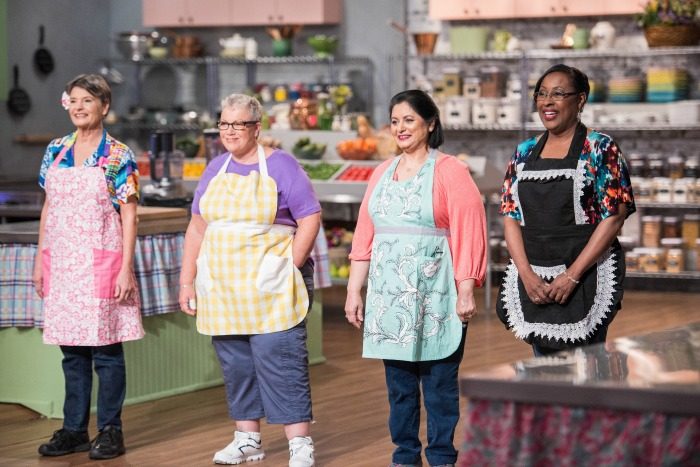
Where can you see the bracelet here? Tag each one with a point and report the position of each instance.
(571, 278)
(186, 286)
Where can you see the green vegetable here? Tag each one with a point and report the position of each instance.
(322, 171)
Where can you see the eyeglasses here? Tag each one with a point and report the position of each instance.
(556, 95)
(238, 126)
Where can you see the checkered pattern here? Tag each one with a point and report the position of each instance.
(157, 263)
(235, 305)
(319, 254)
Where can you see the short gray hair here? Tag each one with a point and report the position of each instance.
(238, 101)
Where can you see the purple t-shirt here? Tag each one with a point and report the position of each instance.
(295, 194)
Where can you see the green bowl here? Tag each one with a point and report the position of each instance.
(323, 45)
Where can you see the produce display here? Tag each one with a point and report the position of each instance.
(321, 171)
(304, 148)
(356, 173)
(357, 149)
(339, 242)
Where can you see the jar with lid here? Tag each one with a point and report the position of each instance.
(637, 166)
(644, 190)
(675, 167)
(695, 257)
(690, 168)
(650, 259)
(651, 231)
(674, 254)
(632, 261)
(471, 87)
(493, 81)
(656, 168)
(683, 190)
(663, 187)
(690, 229)
(671, 227)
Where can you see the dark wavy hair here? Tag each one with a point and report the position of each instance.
(424, 106)
(578, 78)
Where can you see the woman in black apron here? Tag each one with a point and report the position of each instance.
(565, 196)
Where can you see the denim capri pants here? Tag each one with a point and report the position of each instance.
(267, 375)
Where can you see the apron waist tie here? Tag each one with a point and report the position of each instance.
(253, 228)
(412, 230)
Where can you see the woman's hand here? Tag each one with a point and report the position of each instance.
(125, 288)
(38, 276)
(561, 289)
(354, 309)
(537, 289)
(466, 305)
(186, 298)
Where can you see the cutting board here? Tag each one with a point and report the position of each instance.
(150, 213)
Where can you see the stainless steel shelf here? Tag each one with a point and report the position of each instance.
(531, 126)
(474, 56)
(290, 60)
(483, 127)
(154, 126)
(692, 275)
(648, 205)
(612, 53)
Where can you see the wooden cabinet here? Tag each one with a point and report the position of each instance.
(549, 8)
(272, 12)
(471, 9)
(186, 13)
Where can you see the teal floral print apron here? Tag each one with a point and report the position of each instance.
(410, 312)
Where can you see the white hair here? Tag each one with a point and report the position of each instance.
(238, 101)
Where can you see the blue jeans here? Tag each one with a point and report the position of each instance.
(441, 394)
(111, 373)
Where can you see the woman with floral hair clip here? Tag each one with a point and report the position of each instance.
(84, 267)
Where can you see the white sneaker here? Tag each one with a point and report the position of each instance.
(245, 447)
(301, 452)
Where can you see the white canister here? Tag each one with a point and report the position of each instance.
(683, 190)
(508, 112)
(484, 111)
(514, 87)
(457, 111)
(471, 87)
(251, 49)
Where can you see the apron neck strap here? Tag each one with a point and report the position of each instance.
(60, 156)
(262, 162)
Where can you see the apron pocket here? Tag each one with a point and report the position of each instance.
(46, 271)
(203, 282)
(273, 274)
(106, 265)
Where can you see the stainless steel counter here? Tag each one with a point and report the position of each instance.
(657, 372)
(152, 221)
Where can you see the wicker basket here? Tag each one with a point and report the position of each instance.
(672, 36)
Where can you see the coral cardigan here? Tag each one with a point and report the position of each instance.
(457, 206)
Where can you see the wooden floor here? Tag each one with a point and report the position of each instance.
(348, 393)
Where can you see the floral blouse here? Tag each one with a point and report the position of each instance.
(121, 172)
(607, 181)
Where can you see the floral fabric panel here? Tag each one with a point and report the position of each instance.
(121, 172)
(607, 181)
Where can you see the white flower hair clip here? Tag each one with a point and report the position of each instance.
(65, 100)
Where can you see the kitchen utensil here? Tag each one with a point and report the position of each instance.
(18, 102)
(425, 42)
(43, 60)
(134, 45)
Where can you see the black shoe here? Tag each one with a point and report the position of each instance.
(65, 442)
(109, 443)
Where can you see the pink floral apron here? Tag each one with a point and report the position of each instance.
(81, 258)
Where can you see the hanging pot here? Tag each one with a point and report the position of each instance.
(43, 60)
(18, 102)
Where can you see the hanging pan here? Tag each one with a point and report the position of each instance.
(43, 60)
(18, 102)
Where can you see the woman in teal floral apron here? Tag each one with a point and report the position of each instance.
(420, 243)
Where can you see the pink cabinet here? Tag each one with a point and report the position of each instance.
(471, 9)
(275, 12)
(623, 7)
(186, 13)
(556, 8)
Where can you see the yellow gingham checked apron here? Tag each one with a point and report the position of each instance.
(246, 279)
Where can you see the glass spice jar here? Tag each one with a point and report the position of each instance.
(690, 229)
(675, 167)
(671, 227)
(663, 187)
(656, 168)
(651, 231)
(632, 261)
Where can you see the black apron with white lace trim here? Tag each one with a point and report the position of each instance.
(554, 233)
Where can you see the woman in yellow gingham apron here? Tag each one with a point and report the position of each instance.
(247, 277)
